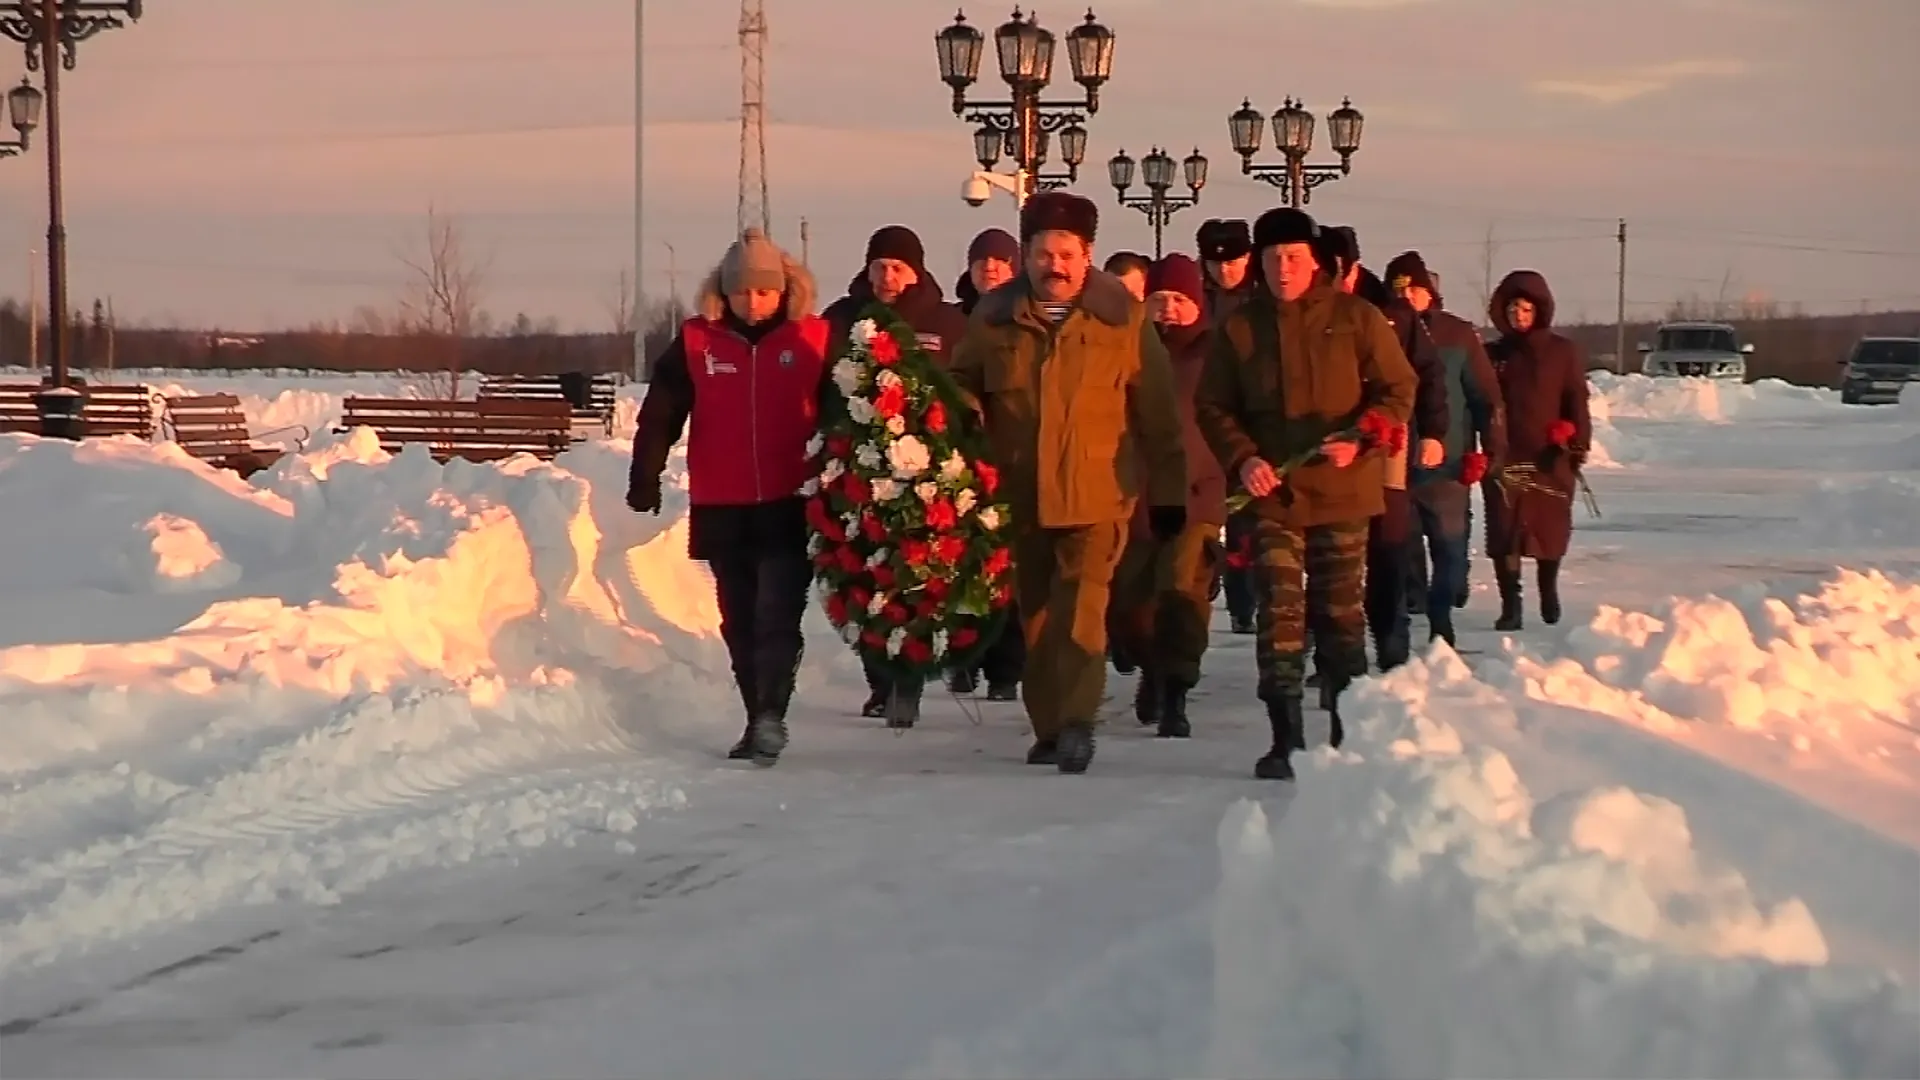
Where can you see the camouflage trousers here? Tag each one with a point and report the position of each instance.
(1319, 569)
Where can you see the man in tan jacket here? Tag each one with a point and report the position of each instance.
(1078, 399)
(1290, 372)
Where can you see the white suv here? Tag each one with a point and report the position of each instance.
(1702, 349)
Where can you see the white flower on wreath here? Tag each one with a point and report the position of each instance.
(869, 456)
(835, 470)
(965, 501)
(864, 331)
(896, 426)
(847, 375)
(811, 487)
(886, 379)
(896, 640)
(878, 557)
(874, 605)
(861, 410)
(850, 633)
(886, 489)
(927, 490)
(816, 444)
(908, 457)
(989, 519)
(939, 643)
(850, 521)
(815, 544)
(954, 467)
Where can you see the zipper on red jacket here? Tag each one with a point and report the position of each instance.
(753, 416)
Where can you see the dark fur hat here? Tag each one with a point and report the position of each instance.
(1285, 225)
(1223, 239)
(1061, 211)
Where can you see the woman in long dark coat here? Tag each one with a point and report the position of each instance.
(1543, 379)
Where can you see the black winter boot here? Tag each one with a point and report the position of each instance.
(1044, 752)
(1549, 579)
(767, 738)
(963, 681)
(1122, 661)
(1003, 691)
(743, 750)
(1074, 748)
(1240, 625)
(1173, 712)
(1512, 615)
(1286, 715)
(1147, 697)
(903, 703)
(1440, 628)
(1330, 692)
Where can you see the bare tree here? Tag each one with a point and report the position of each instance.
(444, 290)
(659, 324)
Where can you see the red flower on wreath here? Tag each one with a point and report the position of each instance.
(884, 350)
(858, 597)
(872, 527)
(839, 446)
(883, 576)
(988, 476)
(891, 401)
(850, 560)
(854, 488)
(836, 610)
(896, 613)
(935, 418)
(936, 588)
(941, 515)
(1003, 594)
(963, 637)
(998, 562)
(915, 552)
(916, 650)
(874, 639)
(949, 550)
(1561, 432)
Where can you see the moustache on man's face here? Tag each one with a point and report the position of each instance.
(1055, 275)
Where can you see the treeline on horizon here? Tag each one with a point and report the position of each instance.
(1798, 348)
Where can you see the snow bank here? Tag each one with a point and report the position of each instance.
(1452, 925)
(223, 692)
(1879, 511)
(1612, 448)
(1645, 398)
(1838, 665)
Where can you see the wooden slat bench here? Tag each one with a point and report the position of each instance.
(475, 430)
(109, 410)
(592, 405)
(213, 428)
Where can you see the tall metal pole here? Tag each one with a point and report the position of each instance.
(60, 406)
(33, 308)
(1159, 224)
(1620, 307)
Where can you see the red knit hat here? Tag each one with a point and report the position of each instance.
(1180, 274)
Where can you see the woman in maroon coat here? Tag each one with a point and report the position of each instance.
(1543, 378)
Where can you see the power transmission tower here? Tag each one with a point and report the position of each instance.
(753, 211)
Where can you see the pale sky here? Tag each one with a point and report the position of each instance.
(261, 163)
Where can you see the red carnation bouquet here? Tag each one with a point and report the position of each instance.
(908, 541)
(1372, 429)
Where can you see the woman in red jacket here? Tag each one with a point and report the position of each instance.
(744, 381)
(1543, 380)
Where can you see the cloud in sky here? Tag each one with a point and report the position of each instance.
(1626, 84)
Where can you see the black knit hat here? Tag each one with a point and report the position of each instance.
(1285, 225)
(1409, 270)
(1223, 239)
(897, 242)
(1059, 211)
(1339, 248)
(994, 244)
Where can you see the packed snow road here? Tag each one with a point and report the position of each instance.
(381, 768)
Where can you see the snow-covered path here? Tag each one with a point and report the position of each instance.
(926, 905)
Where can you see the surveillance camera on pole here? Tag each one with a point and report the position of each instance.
(982, 184)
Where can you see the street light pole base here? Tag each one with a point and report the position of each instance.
(62, 413)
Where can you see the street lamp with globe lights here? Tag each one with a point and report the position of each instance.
(50, 29)
(23, 112)
(1019, 126)
(1293, 136)
(1156, 172)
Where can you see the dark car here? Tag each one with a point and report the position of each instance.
(1878, 369)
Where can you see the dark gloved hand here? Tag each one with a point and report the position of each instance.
(1167, 522)
(644, 497)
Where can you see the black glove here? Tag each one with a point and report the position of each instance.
(1167, 522)
(643, 497)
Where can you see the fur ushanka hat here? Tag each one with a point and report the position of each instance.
(1059, 211)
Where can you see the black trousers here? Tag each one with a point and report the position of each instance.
(762, 601)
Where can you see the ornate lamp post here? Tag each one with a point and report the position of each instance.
(1019, 127)
(1156, 171)
(1293, 136)
(23, 112)
(48, 28)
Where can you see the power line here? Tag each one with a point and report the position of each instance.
(283, 138)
